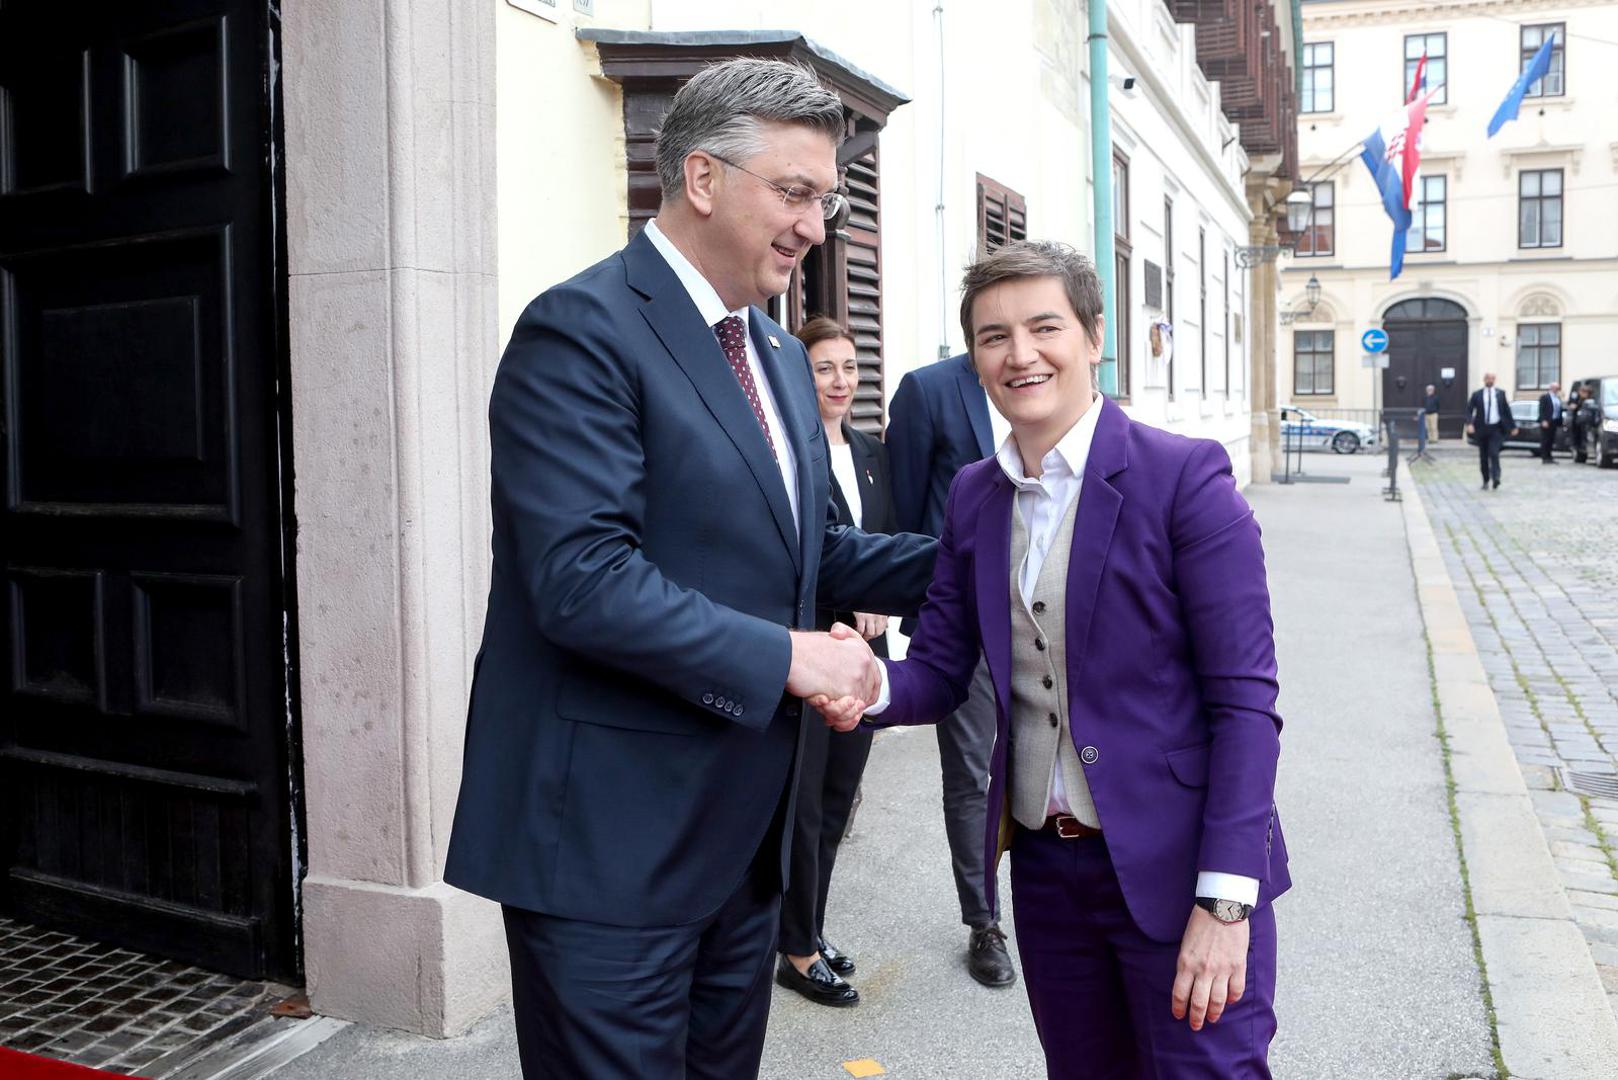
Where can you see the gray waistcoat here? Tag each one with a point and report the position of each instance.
(1040, 742)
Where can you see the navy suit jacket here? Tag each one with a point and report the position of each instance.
(629, 744)
(938, 423)
(1476, 411)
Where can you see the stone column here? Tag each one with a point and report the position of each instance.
(1265, 191)
(389, 114)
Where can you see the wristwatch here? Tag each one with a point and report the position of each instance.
(1226, 911)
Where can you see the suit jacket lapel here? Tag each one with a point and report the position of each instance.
(674, 319)
(872, 508)
(992, 564)
(977, 409)
(1093, 526)
(790, 403)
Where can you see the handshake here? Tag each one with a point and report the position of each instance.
(836, 673)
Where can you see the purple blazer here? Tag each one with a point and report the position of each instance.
(1170, 661)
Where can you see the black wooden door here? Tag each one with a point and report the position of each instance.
(146, 745)
(1425, 338)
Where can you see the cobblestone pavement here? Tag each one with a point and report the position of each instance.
(113, 1009)
(1535, 565)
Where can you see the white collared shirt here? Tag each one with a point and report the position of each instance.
(712, 310)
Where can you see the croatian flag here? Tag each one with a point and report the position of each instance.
(1418, 82)
(1393, 154)
(1536, 69)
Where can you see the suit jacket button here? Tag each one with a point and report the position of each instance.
(1039, 607)
(1089, 754)
(1039, 643)
(1054, 720)
(1047, 682)
(737, 710)
(722, 703)
(707, 699)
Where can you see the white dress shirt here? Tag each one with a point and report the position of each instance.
(1489, 417)
(1043, 502)
(712, 310)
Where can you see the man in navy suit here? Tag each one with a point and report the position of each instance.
(939, 423)
(663, 532)
(1489, 420)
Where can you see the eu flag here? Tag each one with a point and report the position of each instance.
(1536, 70)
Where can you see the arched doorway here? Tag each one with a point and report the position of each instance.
(1426, 340)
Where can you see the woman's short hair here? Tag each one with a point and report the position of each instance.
(722, 109)
(1034, 259)
(820, 328)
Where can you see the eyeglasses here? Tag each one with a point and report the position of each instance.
(795, 197)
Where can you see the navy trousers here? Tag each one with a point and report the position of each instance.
(1101, 990)
(645, 1003)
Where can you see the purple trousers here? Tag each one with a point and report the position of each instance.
(1100, 990)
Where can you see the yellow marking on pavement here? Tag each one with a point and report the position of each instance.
(864, 1067)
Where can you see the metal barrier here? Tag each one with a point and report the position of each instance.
(1397, 424)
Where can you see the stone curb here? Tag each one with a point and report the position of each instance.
(1551, 1011)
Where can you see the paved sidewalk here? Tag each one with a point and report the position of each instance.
(1534, 565)
(1378, 978)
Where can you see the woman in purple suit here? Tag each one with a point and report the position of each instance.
(1112, 576)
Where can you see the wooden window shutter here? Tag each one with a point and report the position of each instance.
(1002, 215)
(862, 267)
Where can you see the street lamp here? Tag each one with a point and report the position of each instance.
(1300, 209)
(1311, 300)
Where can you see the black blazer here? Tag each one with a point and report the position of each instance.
(877, 513)
(1547, 407)
(629, 741)
(1476, 411)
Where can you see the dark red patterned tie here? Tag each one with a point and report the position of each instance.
(732, 333)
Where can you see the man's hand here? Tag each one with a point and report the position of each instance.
(836, 667)
(1544, 423)
(1514, 433)
(1212, 972)
(1469, 429)
(868, 625)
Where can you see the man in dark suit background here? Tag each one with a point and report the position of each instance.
(662, 535)
(1488, 418)
(940, 422)
(1550, 418)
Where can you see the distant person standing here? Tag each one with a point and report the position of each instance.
(1429, 410)
(1579, 420)
(1488, 417)
(1550, 418)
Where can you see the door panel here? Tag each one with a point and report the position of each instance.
(1418, 350)
(145, 755)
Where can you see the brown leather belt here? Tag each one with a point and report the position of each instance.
(1068, 827)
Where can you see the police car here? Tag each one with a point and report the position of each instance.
(1302, 429)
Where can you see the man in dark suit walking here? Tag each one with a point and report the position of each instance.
(1488, 418)
(1550, 418)
(662, 535)
(940, 422)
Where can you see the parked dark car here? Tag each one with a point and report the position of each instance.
(1598, 416)
(1525, 414)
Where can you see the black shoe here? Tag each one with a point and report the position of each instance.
(821, 986)
(1550, 461)
(1497, 485)
(1485, 486)
(836, 959)
(987, 958)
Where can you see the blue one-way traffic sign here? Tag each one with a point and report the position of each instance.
(1374, 339)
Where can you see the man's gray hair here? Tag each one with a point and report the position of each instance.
(723, 108)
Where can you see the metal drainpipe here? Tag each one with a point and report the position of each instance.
(1101, 180)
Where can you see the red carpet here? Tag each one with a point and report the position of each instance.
(18, 1066)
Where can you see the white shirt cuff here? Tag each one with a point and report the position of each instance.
(883, 697)
(1217, 886)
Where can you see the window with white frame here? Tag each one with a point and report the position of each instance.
(1554, 82)
(1312, 370)
(1435, 47)
(1539, 355)
(1428, 217)
(1539, 208)
(1319, 95)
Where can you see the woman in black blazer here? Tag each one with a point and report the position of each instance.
(832, 761)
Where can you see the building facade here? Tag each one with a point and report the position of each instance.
(1511, 263)
(249, 338)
